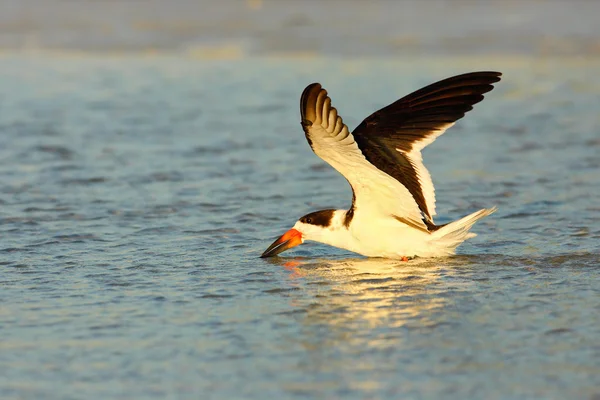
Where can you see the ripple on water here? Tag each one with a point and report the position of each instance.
(131, 227)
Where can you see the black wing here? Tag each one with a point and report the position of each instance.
(393, 137)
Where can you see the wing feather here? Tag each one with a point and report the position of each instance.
(408, 125)
(374, 191)
(381, 158)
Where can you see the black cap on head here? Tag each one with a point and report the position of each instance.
(320, 218)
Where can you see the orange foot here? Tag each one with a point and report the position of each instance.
(404, 258)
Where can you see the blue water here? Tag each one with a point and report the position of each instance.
(138, 192)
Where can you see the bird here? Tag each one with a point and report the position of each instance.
(393, 197)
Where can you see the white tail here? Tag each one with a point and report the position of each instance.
(452, 235)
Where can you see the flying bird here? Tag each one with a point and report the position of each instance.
(393, 197)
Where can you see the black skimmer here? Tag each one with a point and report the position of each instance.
(393, 198)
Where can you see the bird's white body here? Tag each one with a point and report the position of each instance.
(374, 236)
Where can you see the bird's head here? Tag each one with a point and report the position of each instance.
(314, 226)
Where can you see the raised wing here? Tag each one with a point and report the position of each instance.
(392, 138)
(375, 192)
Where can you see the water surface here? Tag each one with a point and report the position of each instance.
(138, 192)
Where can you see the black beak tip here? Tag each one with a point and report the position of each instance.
(271, 251)
(275, 248)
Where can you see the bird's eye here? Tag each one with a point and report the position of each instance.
(309, 220)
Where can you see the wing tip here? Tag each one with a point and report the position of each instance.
(479, 78)
(495, 75)
(308, 103)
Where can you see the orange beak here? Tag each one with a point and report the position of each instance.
(291, 238)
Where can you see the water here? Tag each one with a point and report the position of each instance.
(138, 192)
(334, 27)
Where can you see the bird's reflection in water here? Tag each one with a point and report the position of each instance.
(372, 303)
(372, 292)
(373, 319)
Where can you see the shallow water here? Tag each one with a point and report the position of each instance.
(137, 194)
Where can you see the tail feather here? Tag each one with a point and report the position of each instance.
(454, 233)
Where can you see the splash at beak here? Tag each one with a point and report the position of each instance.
(291, 238)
